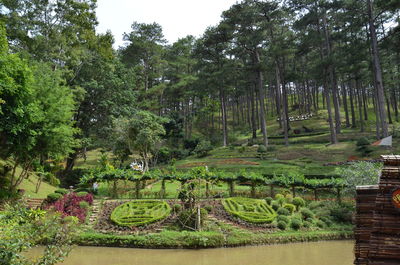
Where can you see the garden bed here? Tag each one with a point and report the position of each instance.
(105, 225)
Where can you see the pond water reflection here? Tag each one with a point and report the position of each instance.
(316, 253)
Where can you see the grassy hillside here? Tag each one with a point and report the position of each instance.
(307, 152)
(29, 185)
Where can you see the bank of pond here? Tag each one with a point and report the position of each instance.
(191, 223)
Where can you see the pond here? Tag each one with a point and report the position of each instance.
(316, 253)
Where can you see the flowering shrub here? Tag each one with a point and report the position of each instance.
(69, 205)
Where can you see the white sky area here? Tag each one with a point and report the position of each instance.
(178, 18)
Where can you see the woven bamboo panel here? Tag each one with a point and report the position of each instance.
(365, 204)
(384, 243)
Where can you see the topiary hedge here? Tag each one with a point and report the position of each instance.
(140, 212)
(250, 210)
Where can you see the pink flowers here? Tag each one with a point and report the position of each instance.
(69, 205)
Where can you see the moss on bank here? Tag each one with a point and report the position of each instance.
(211, 239)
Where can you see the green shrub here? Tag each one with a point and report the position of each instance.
(342, 213)
(271, 148)
(203, 148)
(314, 205)
(307, 224)
(283, 211)
(242, 149)
(290, 207)
(275, 205)
(82, 193)
(208, 208)
(140, 212)
(280, 199)
(84, 204)
(282, 225)
(298, 202)
(289, 198)
(52, 197)
(283, 218)
(177, 207)
(268, 200)
(306, 213)
(261, 151)
(363, 146)
(81, 189)
(250, 210)
(320, 224)
(164, 155)
(295, 223)
(54, 181)
(71, 220)
(326, 220)
(61, 191)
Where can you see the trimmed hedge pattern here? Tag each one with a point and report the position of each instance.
(250, 210)
(140, 212)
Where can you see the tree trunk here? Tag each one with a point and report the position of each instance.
(224, 119)
(260, 81)
(377, 71)
(360, 105)
(346, 109)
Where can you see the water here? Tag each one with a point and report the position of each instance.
(318, 253)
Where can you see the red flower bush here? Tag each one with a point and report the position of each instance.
(69, 205)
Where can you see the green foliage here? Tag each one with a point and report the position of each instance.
(275, 205)
(283, 211)
(61, 191)
(321, 224)
(141, 133)
(203, 148)
(22, 229)
(280, 199)
(82, 193)
(307, 224)
(282, 225)
(363, 146)
(298, 202)
(177, 207)
(283, 218)
(140, 212)
(250, 210)
(208, 208)
(295, 223)
(188, 218)
(52, 197)
(360, 174)
(261, 150)
(242, 149)
(289, 198)
(342, 213)
(84, 205)
(290, 207)
(306, 213)
(268, 200)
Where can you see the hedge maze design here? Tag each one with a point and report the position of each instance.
(250, 210)
(140, 212)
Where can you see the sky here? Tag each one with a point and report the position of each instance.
(178, 18)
